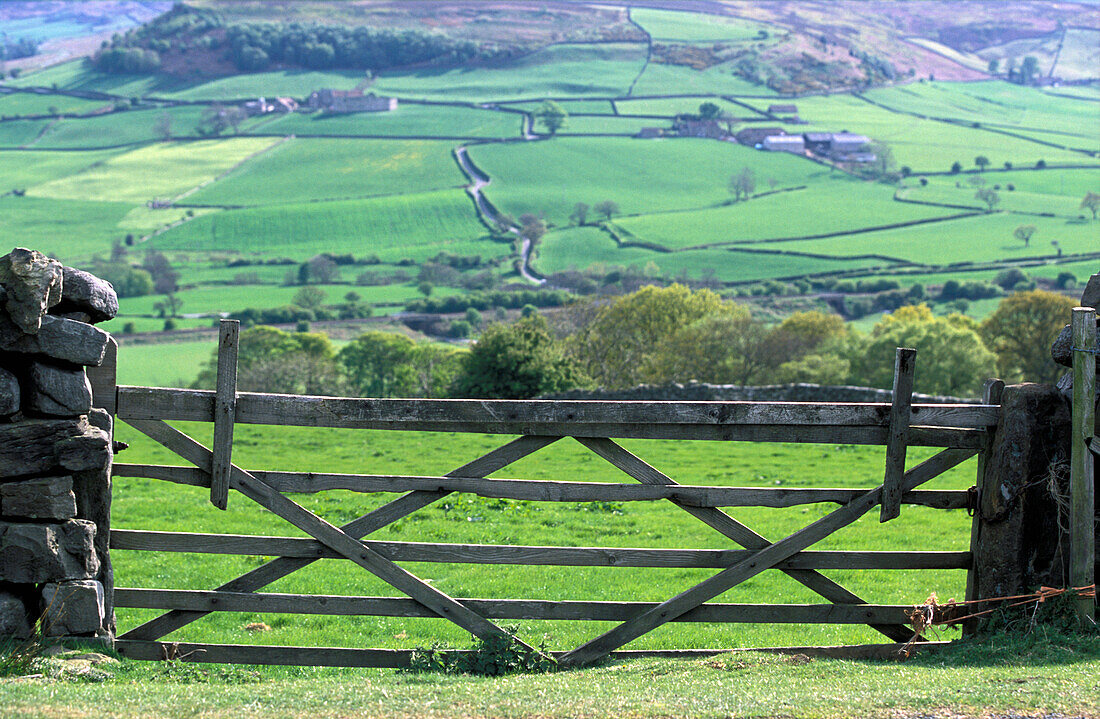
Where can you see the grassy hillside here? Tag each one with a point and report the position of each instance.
(316, 169)
(413, 225)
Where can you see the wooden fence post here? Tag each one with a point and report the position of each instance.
(103, 379)
(1082, 539)
(897, 441)
(992, 391)
(225, 408)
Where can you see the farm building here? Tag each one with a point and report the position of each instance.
(753, 136)
(841, 146)
(845, 143)
(818, 143)
(785, 143)
(687, 127)
(350, 101)
(782, 109)
(262, 106)
(650, 132)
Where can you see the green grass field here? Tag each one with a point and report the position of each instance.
(131, 127)
(71, 230)
(163, 170)
(25, 169)
(925, 145)
(29, 103)
(642, 176)
(592, 107)
(840, 206)
(660, 79)
(316, 169)
(414, 225)
(672, 106)
(406, 120)
(668, 25)
(999, 104)
(609, 124)
(579, 247)
(78, 75)
(20, 133)
(990, 239)
(558, 70)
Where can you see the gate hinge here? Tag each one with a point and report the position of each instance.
(972, 500)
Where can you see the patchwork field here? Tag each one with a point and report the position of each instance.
(641, 176)
(667, 25)
(316, 169)
(415, 226)
(840, 207)
(159, 171)
(578, 248)
(983, 238)
(558, 70)
(407, 120)
(288, 187)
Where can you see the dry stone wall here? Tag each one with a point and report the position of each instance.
(55, 451)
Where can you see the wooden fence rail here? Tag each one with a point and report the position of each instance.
(962, 431)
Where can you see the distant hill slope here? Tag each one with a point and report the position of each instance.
(789, 46)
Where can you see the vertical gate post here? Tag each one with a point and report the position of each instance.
(897, 441)
(1082, 490)
(225, 408)
(992, 390)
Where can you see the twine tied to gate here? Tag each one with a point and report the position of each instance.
(932, 613)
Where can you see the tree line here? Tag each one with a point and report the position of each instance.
(254, 47)
(661, 335)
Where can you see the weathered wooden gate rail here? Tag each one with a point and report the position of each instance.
(963, 431)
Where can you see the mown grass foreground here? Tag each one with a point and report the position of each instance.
(1040, 674)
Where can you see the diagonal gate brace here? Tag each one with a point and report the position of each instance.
(334, 538)
(731, 528)
(766, 558)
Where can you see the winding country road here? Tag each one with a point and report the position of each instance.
(478, 180)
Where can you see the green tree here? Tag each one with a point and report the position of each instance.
(615, 339)
(517, 361)
(532, 227)
(951, 358)
(956, 167)
(379, 364)
(994, 65)
(425, 288)
(981, 162)
(709, 111)
(580, 214)
(1023, 233)
(552, 116)
(743, 184)
(1029, 68)
(434, 368)
(723, 348)
(270, 360)
(989, 197)
(1020, 331)
(310, 298)
(1091, 203)
(607, 208)
(163, 126)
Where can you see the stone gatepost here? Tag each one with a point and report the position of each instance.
(1022, 541)
(55, 451)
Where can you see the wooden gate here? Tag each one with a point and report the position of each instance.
(961, 431)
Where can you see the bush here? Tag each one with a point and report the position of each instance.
(1007, 279)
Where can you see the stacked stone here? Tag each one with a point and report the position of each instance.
(55, 450)
(1061, 350)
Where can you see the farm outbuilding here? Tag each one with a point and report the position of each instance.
(753, 136)
(785, 143)
(350, 101)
